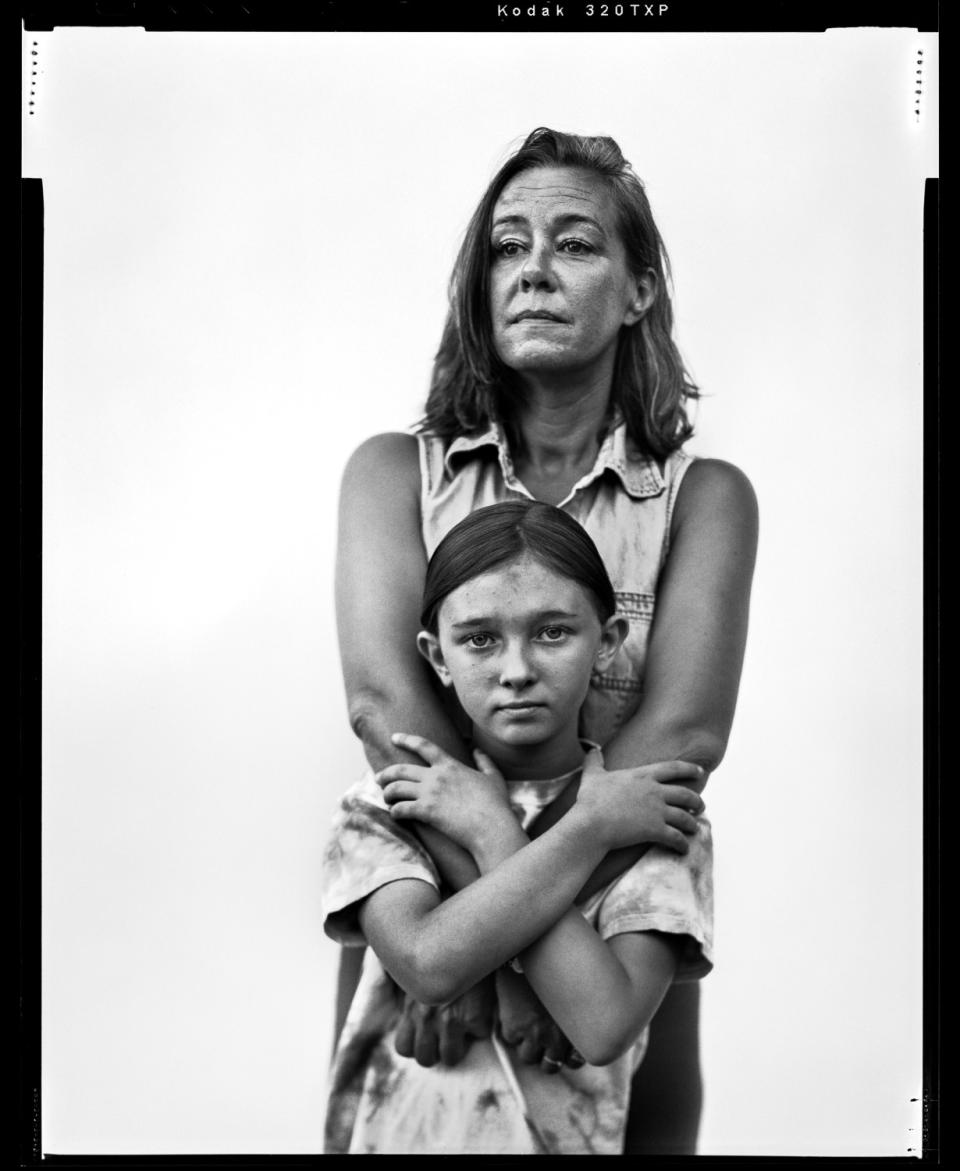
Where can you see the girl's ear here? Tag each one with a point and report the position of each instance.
(645, 293)
(429, 646)
(612, 634)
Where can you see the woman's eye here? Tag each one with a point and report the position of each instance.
(507, 248)
(479, 642)
(575, 247)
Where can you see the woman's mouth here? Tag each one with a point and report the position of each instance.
(539, 315)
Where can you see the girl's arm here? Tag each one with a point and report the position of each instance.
(437, 949)
(696, 646)
(379, 581)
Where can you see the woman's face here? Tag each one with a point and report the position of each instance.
(518, 645)
(560, 288)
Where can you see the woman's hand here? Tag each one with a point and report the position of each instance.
(655, 803)
(444, 1033)
(526, 1026)
(468, 805)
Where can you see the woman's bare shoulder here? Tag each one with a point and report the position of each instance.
(714, 485)
(394, 450)
(389, 460)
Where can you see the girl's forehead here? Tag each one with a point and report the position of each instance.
(518, 587)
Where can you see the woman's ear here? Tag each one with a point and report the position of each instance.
(429, 646)
(645, 293)
(612, 634)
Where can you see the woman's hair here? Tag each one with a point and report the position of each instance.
(501, 533)
(470, 384)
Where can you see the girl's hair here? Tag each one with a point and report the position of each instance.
(501, 533)
(470, 384)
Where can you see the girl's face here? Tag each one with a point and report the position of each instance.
(518, 645)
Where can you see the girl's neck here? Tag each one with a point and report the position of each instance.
(534, 762)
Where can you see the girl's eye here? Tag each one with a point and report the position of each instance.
(553, 633)
(479, 642)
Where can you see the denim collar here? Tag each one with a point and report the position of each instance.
(639, 475)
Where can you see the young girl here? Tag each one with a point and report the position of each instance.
(518, 610)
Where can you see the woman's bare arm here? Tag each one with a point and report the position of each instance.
(379, 581)
(697, 641)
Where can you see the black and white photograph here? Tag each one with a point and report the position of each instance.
(482, 600)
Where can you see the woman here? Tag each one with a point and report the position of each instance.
(557, 379)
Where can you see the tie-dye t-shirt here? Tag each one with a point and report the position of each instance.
(380, 1102)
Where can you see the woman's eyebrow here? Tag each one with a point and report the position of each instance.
(561, 221)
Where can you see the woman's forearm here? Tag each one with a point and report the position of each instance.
(376, 714)
(379, 581)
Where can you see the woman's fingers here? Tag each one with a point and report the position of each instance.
(405, 1038)
(530, 1051)
(556, 1052)
(453, 1040)
(426, 1050)
(420, 745)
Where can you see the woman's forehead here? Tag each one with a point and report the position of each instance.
(562, 190)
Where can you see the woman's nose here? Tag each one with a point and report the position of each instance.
(537, 268)
(516, 668)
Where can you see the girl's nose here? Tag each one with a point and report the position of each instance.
(516, 668)
(536, 271)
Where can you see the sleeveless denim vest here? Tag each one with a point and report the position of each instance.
(625, 503)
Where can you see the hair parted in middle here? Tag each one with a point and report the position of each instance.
(501, 533)
(470, 385)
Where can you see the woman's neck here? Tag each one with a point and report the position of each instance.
(533, 762)
(560, 430)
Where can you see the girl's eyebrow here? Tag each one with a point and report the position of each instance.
(535, 616)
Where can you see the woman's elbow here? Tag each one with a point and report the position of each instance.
(708, 751)
(697, 744)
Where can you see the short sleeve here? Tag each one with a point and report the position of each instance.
(668, 892)
(366, 850)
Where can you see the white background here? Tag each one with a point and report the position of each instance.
(247, 241)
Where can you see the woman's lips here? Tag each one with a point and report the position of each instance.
(539, 315)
